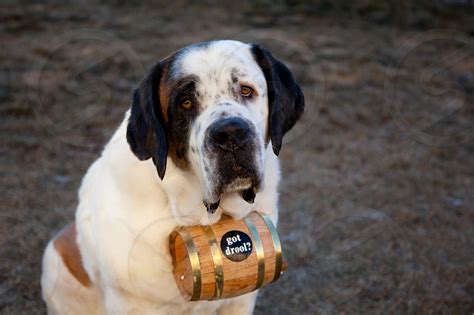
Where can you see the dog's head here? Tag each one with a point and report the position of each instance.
(212, 108)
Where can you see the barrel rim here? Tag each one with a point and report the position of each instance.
(259, 251)
(276, 244)
(194, 261)
(217, 261)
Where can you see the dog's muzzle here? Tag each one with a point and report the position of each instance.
(233, 149)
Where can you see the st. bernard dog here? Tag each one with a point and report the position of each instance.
(201, 139)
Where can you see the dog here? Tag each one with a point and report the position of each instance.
(201, 139)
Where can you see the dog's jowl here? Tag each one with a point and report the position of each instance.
(201, 139)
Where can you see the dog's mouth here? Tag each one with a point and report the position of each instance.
(248, 195)
(246, 187)
(233, 161)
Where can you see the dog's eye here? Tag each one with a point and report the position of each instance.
(186, 104)
(246, 91)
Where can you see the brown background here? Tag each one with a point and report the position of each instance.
(377, 192)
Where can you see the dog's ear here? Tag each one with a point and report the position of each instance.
(146, 132)
(285, 98)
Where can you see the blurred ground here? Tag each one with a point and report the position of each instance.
(377, 193)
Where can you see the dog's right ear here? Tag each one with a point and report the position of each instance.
(146, 132)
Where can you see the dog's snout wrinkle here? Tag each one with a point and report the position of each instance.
(230, 134)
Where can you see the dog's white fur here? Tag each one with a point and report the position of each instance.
(126, 214)
(213, 65)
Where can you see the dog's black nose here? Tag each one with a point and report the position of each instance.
(230, 133)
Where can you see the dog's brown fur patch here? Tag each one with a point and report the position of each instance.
(66, 245)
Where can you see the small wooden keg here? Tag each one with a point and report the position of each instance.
(226, 259)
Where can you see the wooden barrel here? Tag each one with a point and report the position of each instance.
(226, 259)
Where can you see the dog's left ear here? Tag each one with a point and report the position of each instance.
(285, 98)
(146, 132)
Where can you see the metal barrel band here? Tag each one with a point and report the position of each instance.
(217, 260)
(276, 244)
(195, 263)
(259, 250)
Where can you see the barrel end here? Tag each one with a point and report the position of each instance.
(181, 265)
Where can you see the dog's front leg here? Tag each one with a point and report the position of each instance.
(119, 302)
(242, 305)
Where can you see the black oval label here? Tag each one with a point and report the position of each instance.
(236, 245)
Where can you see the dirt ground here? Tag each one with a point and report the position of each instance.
(377, 202)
